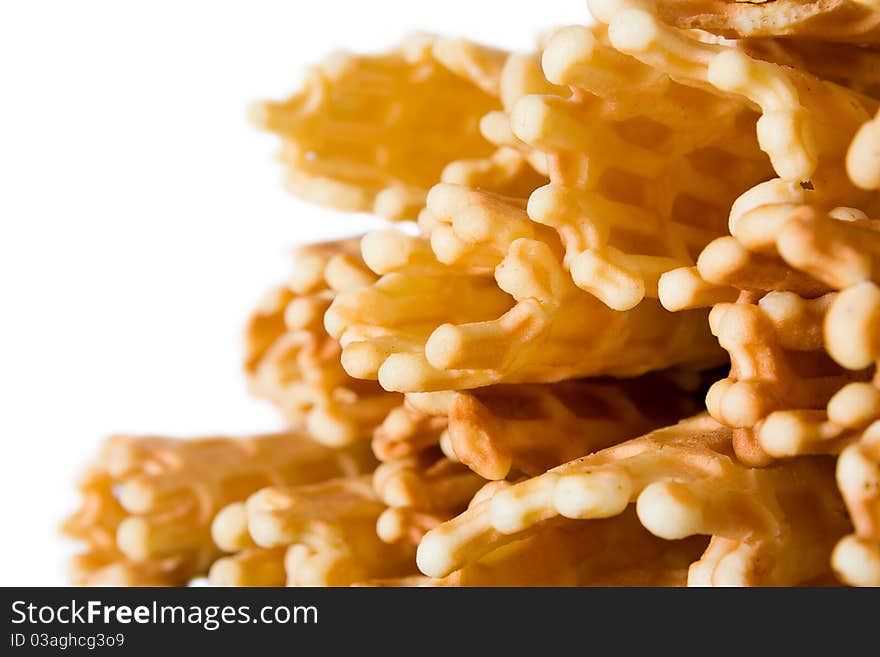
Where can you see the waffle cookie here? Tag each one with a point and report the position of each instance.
(148, 502)
(684, 482)
(291, 361)
(426, 327)
(321, 534)
(851, 334)
(628, 333)
(637, 188)
(374, 132)
(833, 20)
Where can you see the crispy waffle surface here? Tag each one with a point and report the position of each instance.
(322, 534)
(851, 334)
(291, 361)
(850, 65)
(374, 132)
(430, 326)
(597, 224)
(448, 444)
(795, 129)
(803, 377)
(683, 481)
(636, 188)
(855, 21)
(148, 502)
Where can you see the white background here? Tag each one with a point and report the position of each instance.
(142, 217)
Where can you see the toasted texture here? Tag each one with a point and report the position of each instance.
(426, 326)
(506, 390)
(863, 157)
(322, 534)
(853, 339)
(611, 552)
(833, 20)
(529, 428)
(514, 168)
(411, 428)
(291, 361)
(781, 377)
(786, 261)
(440, 448)
(804, 146)
(771, 526)
(850, 65)
(838, 248)
(774, 245)
(148, 502)
(856, 558)
(420, 493)
(374, 132)
(637, 187)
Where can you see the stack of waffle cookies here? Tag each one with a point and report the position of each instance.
(622, 328)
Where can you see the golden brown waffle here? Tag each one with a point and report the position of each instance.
(291, 361)
(863, 158)
(852, 330)
(853, 66)
(814, 406)
(611, 552)
(838, 248)
(783, 247)
(514, 169)
(420, 479)
(770, 526)
(425, 326)
(375, 132)
(472, 230)
(856, 558)
(833, 20)
(324, 535)
(529, 428)
(806, 147)
(501, 431)
(580, 210)
(421, 492)
(148, 502)
(637, 188)
(781, 377)
(852, 336)
(410, 428)
(102, 563)
(251, 566)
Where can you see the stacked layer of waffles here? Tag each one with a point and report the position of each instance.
(622, 328)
